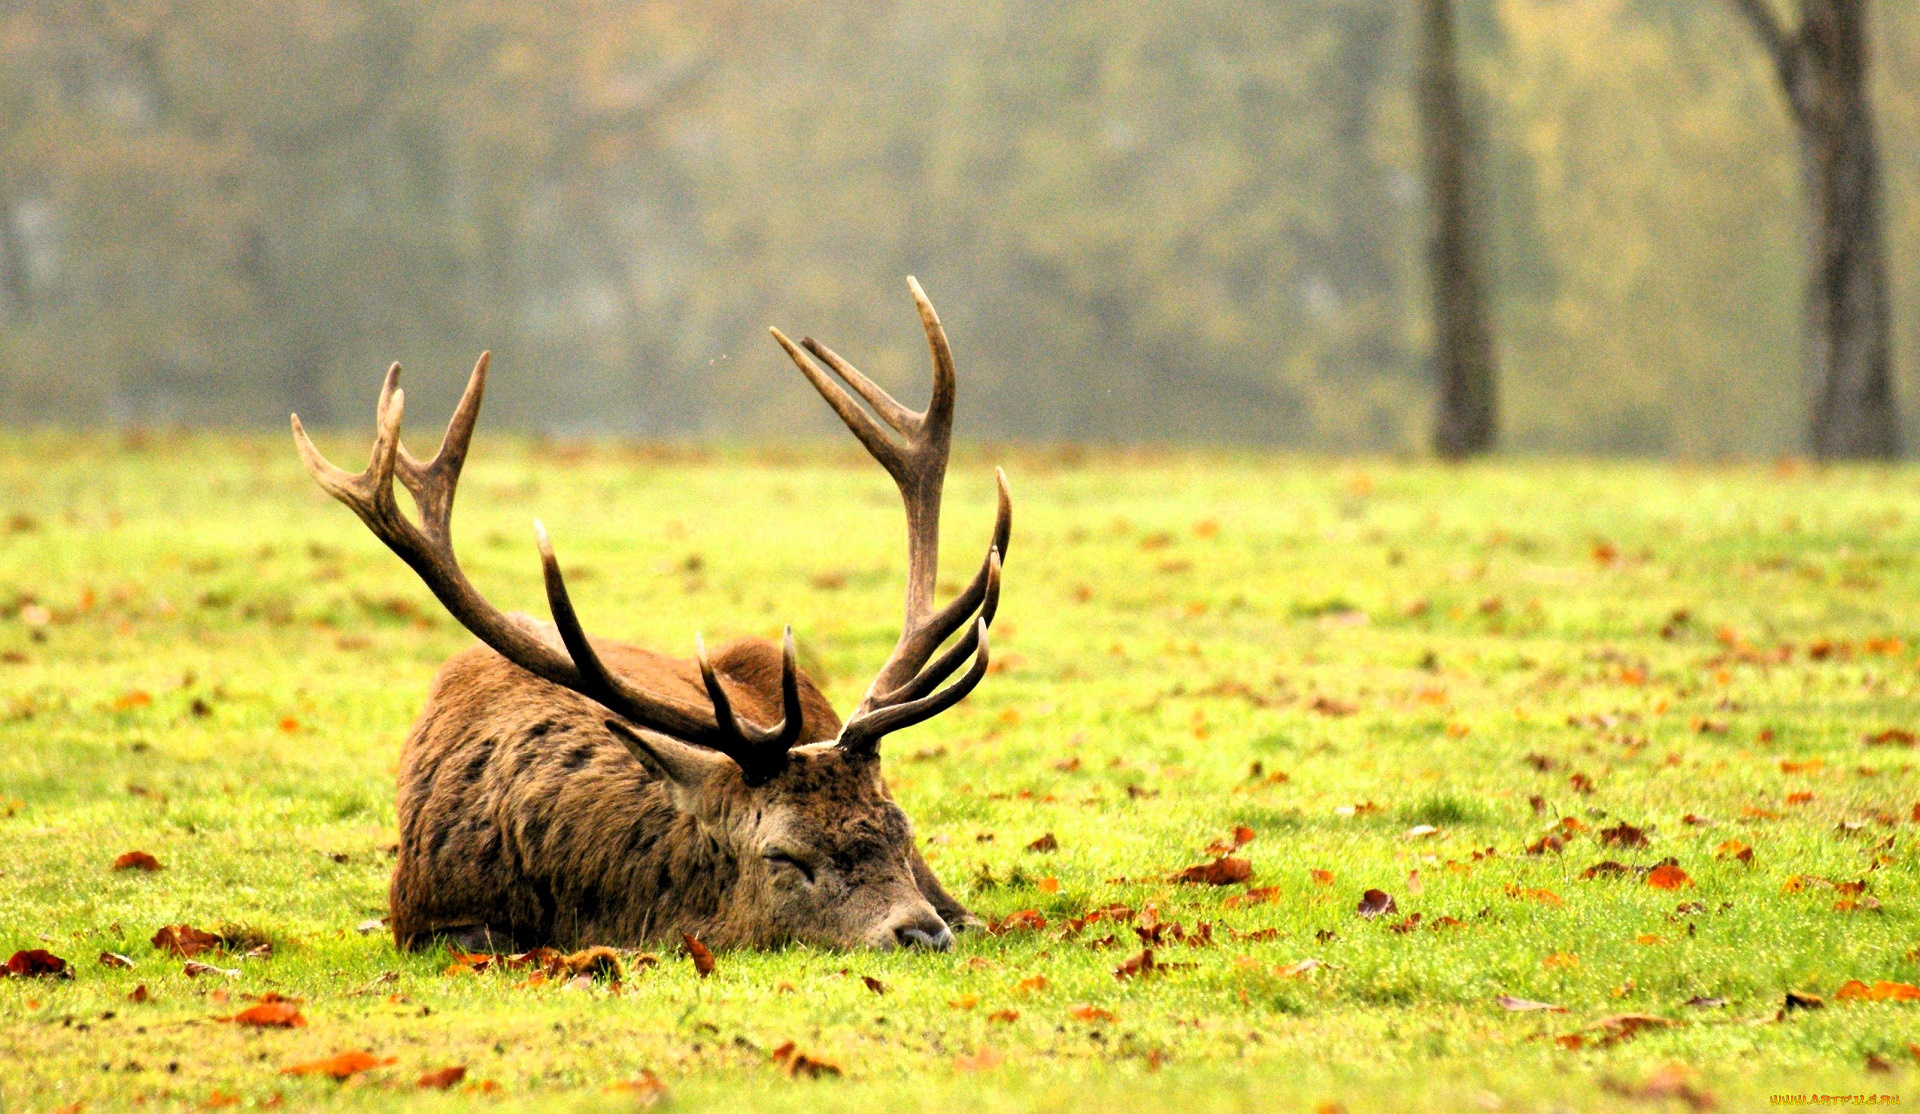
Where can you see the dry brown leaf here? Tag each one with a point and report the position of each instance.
(442, 1078)
(1044, 844)
(36, 963)
(136, 860)
(185, 941)
(1376, 903)
(1224, 871)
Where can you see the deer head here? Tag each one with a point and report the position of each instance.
(797, 809)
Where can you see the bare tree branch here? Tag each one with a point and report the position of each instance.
(1760, 15)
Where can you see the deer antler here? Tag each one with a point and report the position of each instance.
(428, 549)
(906, 690)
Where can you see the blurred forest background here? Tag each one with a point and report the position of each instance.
(1191, 220)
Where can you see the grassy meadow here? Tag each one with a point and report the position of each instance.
(1397, 676)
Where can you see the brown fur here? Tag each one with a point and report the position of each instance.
(525, 821)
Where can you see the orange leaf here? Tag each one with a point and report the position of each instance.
(647, 1088)
(1090, 1013)
(965, 1002)
(1734, 849)
(136, 860)
(983, 1060)
(272, 1015)
(1325, 877)
(1049, 885)
(1854, 989)
(1668, 877)
(702, 958)
(1560, 960)
(1033, 985)
(340, 1066)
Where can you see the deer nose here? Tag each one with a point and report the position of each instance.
(923, 930)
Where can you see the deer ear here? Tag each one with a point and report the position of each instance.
(686, 768)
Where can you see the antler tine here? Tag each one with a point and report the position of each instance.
(904, 691)
(899, 417)
(428, 549)
(759, 752)
(596, 682)
(859, 421)
(863, 732)
(955, 614)
(931, 675)
(434, 483)
(939, 413)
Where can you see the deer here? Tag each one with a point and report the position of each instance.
(562, 790)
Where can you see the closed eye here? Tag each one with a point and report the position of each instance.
(781, 858)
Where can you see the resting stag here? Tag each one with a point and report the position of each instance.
(565, 790)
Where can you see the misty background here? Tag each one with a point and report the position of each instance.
(1184, 220)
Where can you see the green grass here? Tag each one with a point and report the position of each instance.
(237, 649)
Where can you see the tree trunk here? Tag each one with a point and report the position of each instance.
(1463, 334)
(1823, 70)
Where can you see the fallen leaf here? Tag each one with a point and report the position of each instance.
(1029, 919)
(1623, 835)
(1259, 896)
(702, 958)
(1523, 1005)
(1224, 871)
(1045, 843)
(1648, 939)
(1560, 960)
(964, 1002)
(1090, 1013)
(1701, 1002)
(1325, 877)
(1241, 836)
(1049, 885)
(37, 963)
(115, 959)
(1800, 1000)
(138, 994)
(1674, 1081)
(1668, 877)
(1299, 969)
(185, 941)
(193, 969)
(646, 1089)
(1032, 985)
(1882, 991)
(442, 1078)
(271, 1015)
(874, 984)
(136, 860)
(984, 1060)
(1376, 903)
(1004, 1017)
(1327, 706)
(1139, 965)
(1734, 849)
(341, 1065)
